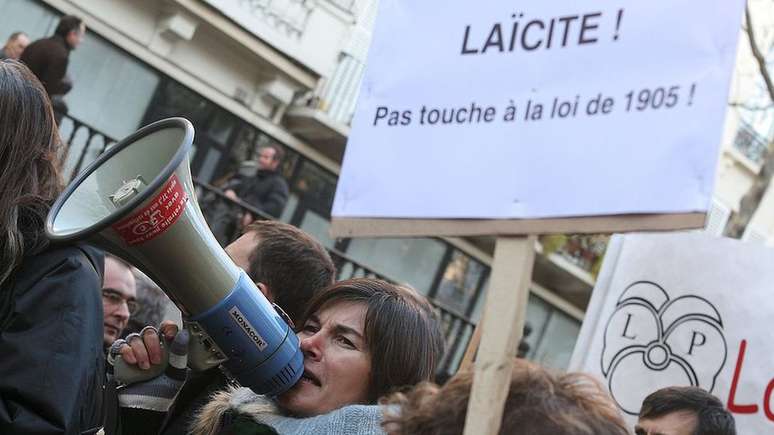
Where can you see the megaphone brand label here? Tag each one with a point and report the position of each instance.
(240, 320)
(156, 217)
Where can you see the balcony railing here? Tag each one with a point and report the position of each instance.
(750, 144)
(290, 14)
(86, 143)
(83, 144)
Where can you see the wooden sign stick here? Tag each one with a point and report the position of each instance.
(501, 328)
(470, 352)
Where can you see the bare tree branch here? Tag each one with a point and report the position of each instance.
(757, 54)
(749, 107)
(749, 203)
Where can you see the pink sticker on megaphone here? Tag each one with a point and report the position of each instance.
(156, 217)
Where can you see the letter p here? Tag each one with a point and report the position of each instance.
(381, 112)
(702, 339)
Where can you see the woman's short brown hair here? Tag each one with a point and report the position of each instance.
(538, 403)
(401, 331)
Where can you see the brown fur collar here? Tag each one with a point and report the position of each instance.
(240, 400)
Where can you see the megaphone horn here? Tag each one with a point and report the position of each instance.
(138, 202)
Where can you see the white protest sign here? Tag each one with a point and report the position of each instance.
(538, 109)
(684, 309)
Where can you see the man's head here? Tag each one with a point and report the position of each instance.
(118, 297)
(16, 44)
(270, 157)
(72, 29)
(684, 411)
(289, 265)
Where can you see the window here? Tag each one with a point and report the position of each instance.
(750, 143)
(411, 261)
(27, 16)
(460, 282)
(556, 341)
(215, 127)
(315, 187)
(538, 313)
(717, 218)
(111, 90)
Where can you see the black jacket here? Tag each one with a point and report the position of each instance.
(47, 58)
(267, 191)
(51, 363)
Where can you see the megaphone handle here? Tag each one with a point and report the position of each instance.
(127, 374)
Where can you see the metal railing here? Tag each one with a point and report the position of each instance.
(750, 144)
(85, 143)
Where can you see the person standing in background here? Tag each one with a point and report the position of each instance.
(48, 58)
(15, 45)
(267, 190)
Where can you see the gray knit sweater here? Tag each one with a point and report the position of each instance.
(349, 420)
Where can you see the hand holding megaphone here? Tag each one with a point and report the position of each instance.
(164, 360)
(144, 356)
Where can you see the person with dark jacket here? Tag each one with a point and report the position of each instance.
(51, 361)
(267, 190)
(47, 58)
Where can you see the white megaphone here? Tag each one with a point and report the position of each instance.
(137, 201)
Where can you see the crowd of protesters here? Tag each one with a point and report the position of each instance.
(371, 348)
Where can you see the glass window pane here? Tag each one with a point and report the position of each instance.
(538, 312)
(290, 208)
(315, 188)
(177, 100)
(241, 150)
(413, 261)
(221, 126)
(317, 226)
(27, 16)
(207, 170)
(556, 345)
(459, 282)
(111, 90)
(479, 307)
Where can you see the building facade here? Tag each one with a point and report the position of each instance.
(749, 132)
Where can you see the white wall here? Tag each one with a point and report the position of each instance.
(309, 31)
